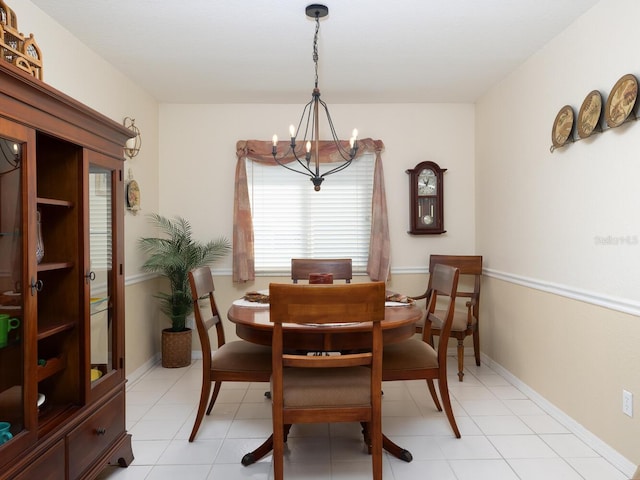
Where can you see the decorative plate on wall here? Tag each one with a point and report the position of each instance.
(133, 195)
(562, 126)
(589, 115)
(621, 100)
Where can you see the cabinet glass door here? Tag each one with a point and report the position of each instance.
(11, 302)
(101, 270)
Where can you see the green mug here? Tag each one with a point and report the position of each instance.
(6, 325)
(5, 434)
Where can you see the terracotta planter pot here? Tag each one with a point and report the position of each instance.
(176, 348)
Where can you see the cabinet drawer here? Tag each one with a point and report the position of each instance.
(49, 466)
(91, 438)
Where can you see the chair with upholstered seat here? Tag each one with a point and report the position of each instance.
(467, 314)
(237, 361)
(324, 389)
(340, 268)
(415, 358)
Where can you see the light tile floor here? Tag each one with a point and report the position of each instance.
(505, 436)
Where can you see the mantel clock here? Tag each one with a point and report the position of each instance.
(426, 205)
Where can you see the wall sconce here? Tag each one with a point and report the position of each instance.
(132, 147)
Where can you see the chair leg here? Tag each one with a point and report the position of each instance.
(476, 345)
(204, 396)
(434, 395)
(375, 438)
(287, 429)
(278, 448)
(366, 436)
(446, 402)
(460, 358)
(214, 397)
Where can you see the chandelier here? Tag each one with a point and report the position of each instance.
(306, 151)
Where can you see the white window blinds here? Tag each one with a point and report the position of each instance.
(100, 244)
(292, 220)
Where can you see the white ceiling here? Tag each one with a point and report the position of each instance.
(260, 51)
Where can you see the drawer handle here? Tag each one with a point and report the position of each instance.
(101, 431)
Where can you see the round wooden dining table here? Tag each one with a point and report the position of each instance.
(253, 325)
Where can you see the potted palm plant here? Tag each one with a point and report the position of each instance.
(173, 255)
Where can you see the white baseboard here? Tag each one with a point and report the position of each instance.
(134, 376)
(602, 448)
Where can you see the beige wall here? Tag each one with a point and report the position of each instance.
(198, 159)
(554, 294)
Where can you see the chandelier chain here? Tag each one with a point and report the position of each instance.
(315, 48)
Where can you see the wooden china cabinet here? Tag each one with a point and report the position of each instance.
(62, 377)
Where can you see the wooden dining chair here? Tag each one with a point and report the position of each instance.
(467, 314)
(416, 358)
(237, 361)
(340, 268)
(336, 388)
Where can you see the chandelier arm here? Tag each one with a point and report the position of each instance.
(340, 167)
(346, 155)
(308, 110)
(308, 172)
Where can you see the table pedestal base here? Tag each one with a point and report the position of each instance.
(391, 447)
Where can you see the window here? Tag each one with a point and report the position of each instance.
(292, 220)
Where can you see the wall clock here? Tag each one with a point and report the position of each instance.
(426, 199)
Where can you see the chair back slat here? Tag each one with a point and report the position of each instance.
(326, 303)
(467, 264)
(341, 268)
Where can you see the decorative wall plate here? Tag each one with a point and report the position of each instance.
(589, 115)
(621, 100)
(133, 195)
(562, 126)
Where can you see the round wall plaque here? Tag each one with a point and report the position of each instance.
(562, 126)
(589, 115)
(621, 100)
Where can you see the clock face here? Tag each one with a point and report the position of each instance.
(427, 182)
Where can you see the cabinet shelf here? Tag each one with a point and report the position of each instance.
(54, 202)
(54, 328)
(53, 366)
(45, 267)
